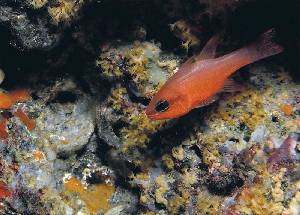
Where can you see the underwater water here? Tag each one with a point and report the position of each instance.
(122, 107)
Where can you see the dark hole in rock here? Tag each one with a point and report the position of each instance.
(224, 184)
(95, 178)
(6, 114)
(247, 138)
(197, 150)
(243, 126)
(234, 140)
(118, 126)
(275, 119)
(134, 94)
(64, 97)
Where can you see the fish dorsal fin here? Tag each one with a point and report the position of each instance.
(209, 50)
(231, 86)
(208, 101)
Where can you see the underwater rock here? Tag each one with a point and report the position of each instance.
(104, 119)
(68, 127)
(28, 34)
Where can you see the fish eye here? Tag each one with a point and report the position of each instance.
(162, 106)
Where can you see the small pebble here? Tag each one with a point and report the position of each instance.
(2, 76)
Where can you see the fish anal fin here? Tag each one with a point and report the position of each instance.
(208, 101)
(231, 86)
(209, 50)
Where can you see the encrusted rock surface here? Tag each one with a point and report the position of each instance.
(81, 142)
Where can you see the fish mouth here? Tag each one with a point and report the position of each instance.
(150, 114)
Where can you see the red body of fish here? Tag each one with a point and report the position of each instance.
(200, 78)
(4, 191)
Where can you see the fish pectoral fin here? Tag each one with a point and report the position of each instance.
(208, 101)
(209, 50)
(231, 86)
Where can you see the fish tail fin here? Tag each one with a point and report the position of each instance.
(265, 46)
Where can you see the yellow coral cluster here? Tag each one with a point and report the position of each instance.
(208, 204)
(137, 134)
(210, 141)
(61, 11)
(38, 3)
(260, 197)
(109, 69)
(140, 126)
(189, 178)
(182, 29)
(142, 178)
(117, 97)
(246, 107)
(168, 161)
(64, 10)
(293, 207)
(277, 192)
(137, 61)
(173, 204)
(253, 200)
(162, 187)
(178, 201)
(178, 153)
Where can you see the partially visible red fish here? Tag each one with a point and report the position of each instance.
(7, 100)
(30, 123)
(200, 78)
(4, 191)
(3, 129)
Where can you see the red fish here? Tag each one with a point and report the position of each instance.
(7, 100)
(202, 77)
(4, 191)
(30, 123)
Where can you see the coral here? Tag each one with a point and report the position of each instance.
(277, 192)
(137, 62)
(162, 187)
(64, 10)
(207, 203)
(189, 178)
(139, 125)
(168, 161)
(177, 202)
(293, 207)
(37, 3)
(109, 64)
(142, 62)
(178, 153)
(250, 115)
(253, 200)
(183, 30)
